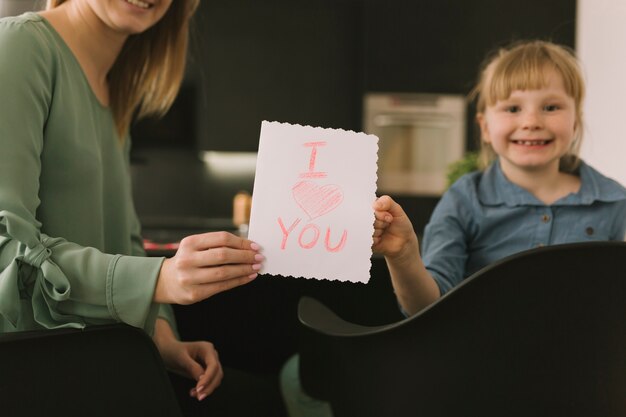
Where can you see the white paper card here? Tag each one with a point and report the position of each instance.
(312, 202)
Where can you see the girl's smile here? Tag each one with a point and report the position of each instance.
(531, 142)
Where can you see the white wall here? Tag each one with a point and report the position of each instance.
(601, 47)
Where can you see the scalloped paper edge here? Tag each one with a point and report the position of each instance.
(371, 186)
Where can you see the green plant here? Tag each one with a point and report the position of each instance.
(457, 169)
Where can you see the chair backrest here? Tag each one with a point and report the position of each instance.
(541, 333)
(112, 370)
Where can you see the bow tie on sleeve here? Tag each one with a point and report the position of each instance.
(31, 270)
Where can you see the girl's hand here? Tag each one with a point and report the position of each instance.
(205, 265)
(393, 232)
(195, 360)
(395, 238)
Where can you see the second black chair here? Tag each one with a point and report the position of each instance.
(541, 333)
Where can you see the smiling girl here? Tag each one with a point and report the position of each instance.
(534, 190)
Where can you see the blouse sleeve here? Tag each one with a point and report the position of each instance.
(64, 284)
(444, 245)
(165, 311)
(620, 227)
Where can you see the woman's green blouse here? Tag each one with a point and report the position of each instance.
(71, 254)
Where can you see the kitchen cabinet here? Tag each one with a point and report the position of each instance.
(310, 62)
(437, 46)
(277, 60)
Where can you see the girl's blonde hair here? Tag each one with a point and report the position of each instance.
(523, 66)
(150, 68)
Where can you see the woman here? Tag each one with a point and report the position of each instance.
(72, 77)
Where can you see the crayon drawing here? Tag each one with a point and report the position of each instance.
(312, 201)
(316, 200)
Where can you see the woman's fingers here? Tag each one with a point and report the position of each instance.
(219, 256)
(212, 373)
(210, 240)
(210, 380)
(217, 248)
(218, 273)
(199, 270)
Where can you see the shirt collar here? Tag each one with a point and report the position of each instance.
(495, 189)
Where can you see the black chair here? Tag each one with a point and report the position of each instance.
(541, 333)
(112, 370)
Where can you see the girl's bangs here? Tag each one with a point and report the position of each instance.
(511, 76)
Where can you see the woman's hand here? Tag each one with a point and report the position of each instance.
(205, 265)
(195, 360)
(394, 235)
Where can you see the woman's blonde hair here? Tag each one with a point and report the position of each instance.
(522, 66)
(150, 68)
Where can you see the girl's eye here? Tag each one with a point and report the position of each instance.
(551, 107)
(512, 109)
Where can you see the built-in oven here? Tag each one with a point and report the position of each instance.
(420, 135)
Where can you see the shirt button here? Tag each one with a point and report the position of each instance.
(545, 218)
(589, 231)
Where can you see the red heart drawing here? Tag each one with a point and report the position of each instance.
(317, 200)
